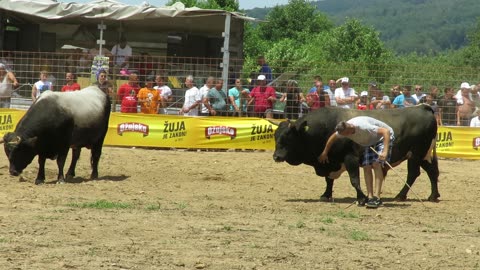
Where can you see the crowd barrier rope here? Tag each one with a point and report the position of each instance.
(169, 131)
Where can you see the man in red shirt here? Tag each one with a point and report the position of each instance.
(70, 85)
(129, 103)
(263, 97)
(124, 89)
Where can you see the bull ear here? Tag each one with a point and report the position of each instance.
(303, 127)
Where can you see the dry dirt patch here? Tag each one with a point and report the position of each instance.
(156, 209)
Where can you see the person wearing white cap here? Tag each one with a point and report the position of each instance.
(361, 104)
(458, 95)
(8, 82)
(345, 96)
(263, 98)
(466, 106)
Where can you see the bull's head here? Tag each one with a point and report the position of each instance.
(20, 152)
(288, 142)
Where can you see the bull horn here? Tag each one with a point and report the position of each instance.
(17, 140)
(276, 123)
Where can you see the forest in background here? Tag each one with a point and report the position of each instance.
(299, 40)
(422, 26)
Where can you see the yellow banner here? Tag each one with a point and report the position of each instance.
(229, 133)
(458, 142)
(190, 132)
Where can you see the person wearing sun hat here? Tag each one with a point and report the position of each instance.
(345, 96)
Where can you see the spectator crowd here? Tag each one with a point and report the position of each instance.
(147, 92)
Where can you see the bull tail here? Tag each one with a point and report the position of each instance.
(432, 151)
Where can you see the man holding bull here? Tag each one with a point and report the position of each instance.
(376, 137)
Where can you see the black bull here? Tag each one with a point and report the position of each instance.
(415, 130)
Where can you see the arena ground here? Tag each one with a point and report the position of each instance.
(155, 209)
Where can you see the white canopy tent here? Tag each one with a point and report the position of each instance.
(77, 24)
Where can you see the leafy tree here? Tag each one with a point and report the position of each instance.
(471, 53)
(293, 21)
(229, 5)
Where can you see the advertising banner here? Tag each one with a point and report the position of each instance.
(190, 132)
(170, 131)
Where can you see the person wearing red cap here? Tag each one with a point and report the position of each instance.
(263, 97)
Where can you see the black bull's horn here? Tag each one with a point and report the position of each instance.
(276, 123)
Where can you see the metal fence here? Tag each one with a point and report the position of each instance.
(27, 66)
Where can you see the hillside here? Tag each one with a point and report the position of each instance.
(406, 26)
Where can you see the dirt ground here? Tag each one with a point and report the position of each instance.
(156, 209)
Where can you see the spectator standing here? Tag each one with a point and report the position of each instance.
(121, 53)
(192, 98)
(148, 98)
(129, 103)
(405, 99)
(318, 99)
(215, 100)
(103, 83)
(125, 88)
(8, 82)
(264, 69)
(345, 96)
(204, 91)
(466, 106)
(237, 96)
(317, 82)
(395, 92)
(378, 100)
(362, 103)
(293, 98)
(165, 92)
(41, 86)
(475, 122)
(429, 100)
(447, 108)
(418, 95)
(332, 85)
(70, 83)
(263, 97)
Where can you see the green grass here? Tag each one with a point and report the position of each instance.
(153, 207)
(327, 220)
(101, 204)
(47, 218)
(359, 235)
(342, 214)
(3, 240)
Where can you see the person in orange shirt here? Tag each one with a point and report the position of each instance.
(149, 98)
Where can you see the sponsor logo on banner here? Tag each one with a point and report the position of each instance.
(174, 129)
(476, 143)
(262, 132)
(220, 130)
(133, 127)
(6, 122)
(444, 139)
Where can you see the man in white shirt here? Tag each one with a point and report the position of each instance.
(192, 98)
(204, 91)
(345, 96)
(165, 93)
(121, 53)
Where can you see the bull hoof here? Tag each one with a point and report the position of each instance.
(60, 182)
(434, 198)
(326, 199)
(39, 181)
(362, 202)
(69, 176)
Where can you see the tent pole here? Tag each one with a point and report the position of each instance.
(226, 51)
